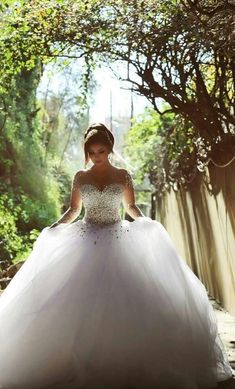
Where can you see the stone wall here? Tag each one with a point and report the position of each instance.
(201, 222)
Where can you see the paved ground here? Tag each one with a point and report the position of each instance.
(226, 329)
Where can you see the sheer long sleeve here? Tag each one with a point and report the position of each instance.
(129, 198)
(75, 202)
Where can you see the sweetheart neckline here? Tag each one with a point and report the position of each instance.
(106, 186)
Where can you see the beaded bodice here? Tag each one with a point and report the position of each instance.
(102, 206)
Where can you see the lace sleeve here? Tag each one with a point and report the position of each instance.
(129, 197)
(76, 181)
(128, 180)
(75, 202)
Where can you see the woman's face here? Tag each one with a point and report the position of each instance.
(98, 153)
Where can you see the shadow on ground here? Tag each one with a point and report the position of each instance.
(229, 384)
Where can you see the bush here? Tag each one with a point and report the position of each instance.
(21, 219)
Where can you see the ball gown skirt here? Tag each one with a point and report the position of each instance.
(110, 306)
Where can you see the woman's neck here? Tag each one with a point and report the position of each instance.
(102, 168)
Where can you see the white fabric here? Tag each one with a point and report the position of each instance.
(113, 306)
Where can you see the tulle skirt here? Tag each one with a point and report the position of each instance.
(110, 306)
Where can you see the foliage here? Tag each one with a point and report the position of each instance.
(30, 193)
(63, 114)
(213, 16)
(22, 155)
(175, 51)
(155, 145)
(16, 217)
(180, 52)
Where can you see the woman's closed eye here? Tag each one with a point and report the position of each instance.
(100, 152)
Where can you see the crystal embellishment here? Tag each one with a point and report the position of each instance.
(102, 206)
(101, 212)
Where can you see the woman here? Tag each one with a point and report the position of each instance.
(104, 302)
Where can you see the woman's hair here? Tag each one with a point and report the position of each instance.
(97, 133)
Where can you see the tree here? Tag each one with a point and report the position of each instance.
(171, 49)
(217, 20)
(158, 147)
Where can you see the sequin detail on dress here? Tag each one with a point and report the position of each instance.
(102, 206)
(102, 211)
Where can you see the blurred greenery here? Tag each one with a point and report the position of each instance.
(35, 169)
(16, 220)
(161, 149)
(179, 54)
(30, 197)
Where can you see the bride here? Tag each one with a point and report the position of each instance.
(107, 303)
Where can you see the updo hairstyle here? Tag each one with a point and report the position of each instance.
(97, 133)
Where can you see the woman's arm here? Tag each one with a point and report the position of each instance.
(75, 203)
(129, 198)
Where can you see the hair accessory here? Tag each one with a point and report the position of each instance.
(97, 128)
(108, 136)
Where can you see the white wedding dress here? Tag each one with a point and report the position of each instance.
(107, 303)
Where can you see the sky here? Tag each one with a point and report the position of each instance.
(109, 97)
